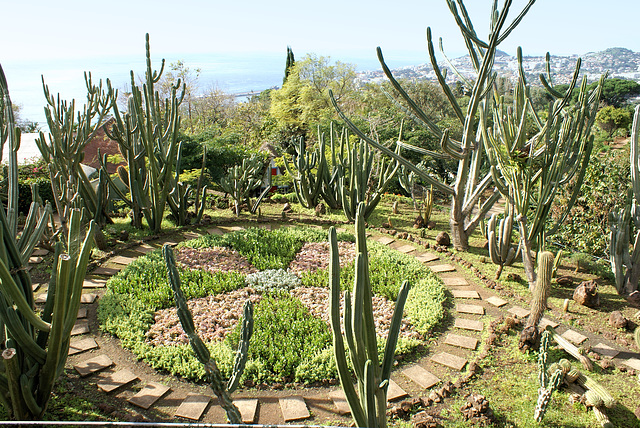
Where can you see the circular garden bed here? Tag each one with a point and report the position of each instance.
(285, 273)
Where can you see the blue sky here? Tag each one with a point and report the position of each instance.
(78, 28)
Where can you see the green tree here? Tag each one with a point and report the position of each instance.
(610, 119)
(178, 71)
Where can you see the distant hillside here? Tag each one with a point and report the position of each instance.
(620, 62)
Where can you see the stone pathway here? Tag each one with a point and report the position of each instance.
(474, 305)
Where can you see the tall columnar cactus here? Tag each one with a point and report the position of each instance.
(63, 149)
(180, 197)
(548, 382)
(472, 178)
(358, 181)
(529, 170)
(240, 180)
(624, 264)
(368, 403)
(307, 183)
(530, 335)
(148, 138)
(501, 250)
(222, 389)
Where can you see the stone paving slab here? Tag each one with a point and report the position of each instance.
(215, 231)
(421, 376)
(80, 327)
(340, 401)
(443, 268)
(461, 341)
(634, 363)
(122, 260)
(82, 313)
(34, 260)
(105, 271)
(605, 350)
(41, 299)
(39, 252)
(93, 365)
(94, 283)
(116, 380)
(519, 312)
(406, 249)
(35, 286)
(449, 360)
(394, 392)
(427, 257)
(82, 345)
(574, 336)
(385, 240)
(191, 235)
(193, 406)
(149, 395)
(454, 281)
(469, 309)
(465, 294)
(88, 298)
(544, 322)
(294, 408)
(143, 249)
(248, 408)
(467, 324)
(496, 301)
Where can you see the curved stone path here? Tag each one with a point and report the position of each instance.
(117, 373)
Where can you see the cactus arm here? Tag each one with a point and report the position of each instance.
(338, 344)
(369, 403)
(12, 291)
(243, 347)
(28, 241)
(394, 331)
(571, 349)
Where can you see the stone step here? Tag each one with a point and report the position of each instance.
(80, 327)
(215, 231)
(116, 380)
(461, 341)
(574, 336)
(94, 283)
(633, 363)
(449, 360)
(93, 365)
(605, 350)
(465, 294)
(519, 312)
(394, 392)
(193, 407)
(406, 249)
(187, 236)
(467, 324)
(122, 260)
(105, 271)
(294, 408)
(82, 313)
(544, 322)
(454, 281)
(248, 409)
(443, 268)
(421, 376)
(340, 402)
(88, 298)
(82, 345)
(34, 260)
(148, 395)
(427, 257)
(385, 240)
(496, 301)
(39, 252)
(469, 309)
(143, 249)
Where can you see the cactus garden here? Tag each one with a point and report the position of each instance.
(326, 253)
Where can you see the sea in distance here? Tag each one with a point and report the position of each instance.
(232, 73)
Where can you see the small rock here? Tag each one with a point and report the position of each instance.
(514, 277)
(617, 320)
(586, 294)
(419, 222)
(431, 225)
(321, 209)
(286, 208)
(443, 239)
(606, 363)
(123, 236)
(634, 299)
(424, 420)
(564, 281)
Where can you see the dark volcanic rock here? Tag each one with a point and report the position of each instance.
(443, 239)
(586, 294)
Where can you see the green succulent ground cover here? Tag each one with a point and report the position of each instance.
(289, 344)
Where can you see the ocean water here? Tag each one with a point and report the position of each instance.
(232, 73)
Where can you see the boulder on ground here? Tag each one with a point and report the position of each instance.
(586, 294)
(321, 209)
(443, 239)
(617, 320)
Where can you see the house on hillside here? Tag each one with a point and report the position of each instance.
(105, 145)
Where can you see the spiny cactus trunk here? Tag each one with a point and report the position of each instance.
(529, 335)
